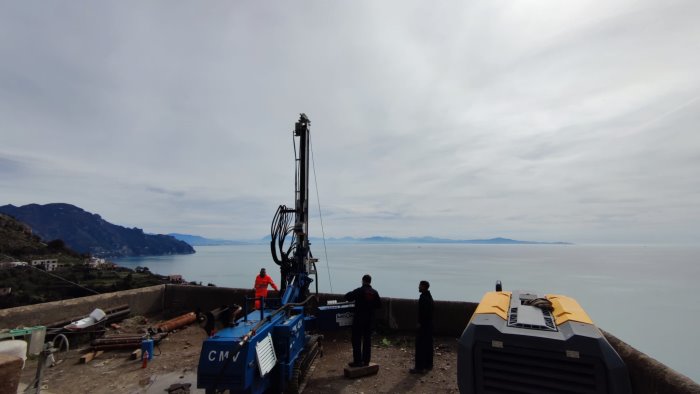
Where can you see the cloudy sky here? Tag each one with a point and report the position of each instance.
(562, 120)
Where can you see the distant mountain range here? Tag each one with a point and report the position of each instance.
(201, 241)
(434, 240)
(86, 232)
(196, 240)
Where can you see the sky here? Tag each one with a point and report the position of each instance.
(567, 121)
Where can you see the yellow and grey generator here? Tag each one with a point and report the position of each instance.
(522, 342)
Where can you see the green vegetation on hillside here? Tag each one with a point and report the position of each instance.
(16, 239)
(30, 285)
(33, 286)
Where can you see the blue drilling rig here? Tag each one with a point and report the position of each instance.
(270, 349)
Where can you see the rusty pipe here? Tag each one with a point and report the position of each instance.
(175, 323)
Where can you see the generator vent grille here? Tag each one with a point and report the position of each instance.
(532, 371)
(546, 322)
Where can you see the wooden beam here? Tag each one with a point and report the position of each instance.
(356, 372)
(87, 357)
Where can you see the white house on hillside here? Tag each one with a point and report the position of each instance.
(47, 264)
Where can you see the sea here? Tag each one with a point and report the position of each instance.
(646, 295)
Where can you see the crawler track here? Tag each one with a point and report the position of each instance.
(304, 365)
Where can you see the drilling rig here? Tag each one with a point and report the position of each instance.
(271, 349)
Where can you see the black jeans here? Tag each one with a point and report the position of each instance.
(424, 348)
(362, 343)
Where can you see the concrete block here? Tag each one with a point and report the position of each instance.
(10, 372)
(356, 372)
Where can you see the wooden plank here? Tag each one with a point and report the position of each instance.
(356, 372)
(87, 357)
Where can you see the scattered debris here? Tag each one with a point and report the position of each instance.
(96, 316)
(115, 314)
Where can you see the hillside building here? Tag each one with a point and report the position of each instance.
(175, 279)
(46, 264)
(12, 264)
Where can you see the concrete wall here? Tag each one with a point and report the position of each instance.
(396, 313)
(145, 301)
(182, 298)
(647, 375)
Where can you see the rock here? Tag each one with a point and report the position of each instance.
(179, 388)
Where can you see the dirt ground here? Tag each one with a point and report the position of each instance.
(395, 357)
(177, 356)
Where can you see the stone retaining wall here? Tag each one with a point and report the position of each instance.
(144, 301)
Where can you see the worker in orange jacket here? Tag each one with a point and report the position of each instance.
(261, 283)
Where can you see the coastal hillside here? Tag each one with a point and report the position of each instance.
(18, 243)
(86, 232)
(26, 285)
(16, 239)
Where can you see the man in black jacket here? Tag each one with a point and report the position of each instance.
(366, 301)
(424, 333)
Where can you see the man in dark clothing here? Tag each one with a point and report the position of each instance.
(424, 333)
(366, 301)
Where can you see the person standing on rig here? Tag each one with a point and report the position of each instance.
(424, 331)
(366, 301)
(261, 283)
